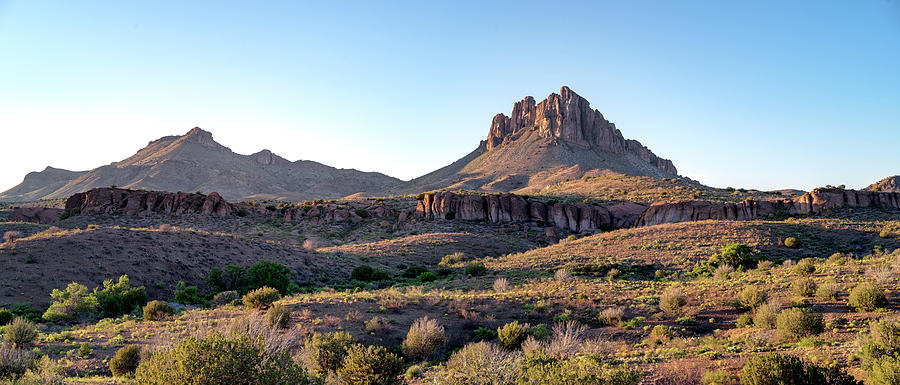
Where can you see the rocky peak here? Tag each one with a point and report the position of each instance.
(890, 184)
(201, 136)
(568, 117)
(266, 157)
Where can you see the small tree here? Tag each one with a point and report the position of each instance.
(126, 361)
(736, 254)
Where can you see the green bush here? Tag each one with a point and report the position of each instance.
(220, 359)
(804, 287)
(225, 298)
(372, 365)
(884, 371)
(484, 334)
(269, 274)
(452, 259)
(752, 298)
(67, 304)
(425, 337)
(413, 271)
(671, 301)
(883, 340)
(796, 323)
(362, 273)
(6, 317)
(744, 321)
(426, 277)
(157, 311)
(233, 278)
(188, 295)
(735, 254)
(791, 242)
(117, 298)
(21, 333)
(476, 268)
(126, 361)
(324, 352)
(261, 298)
(783, 369)
(278, 316)
(84, 350)
(867, 297)
(766, 316)
(513, 334)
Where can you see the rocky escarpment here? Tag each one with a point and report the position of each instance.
(515, 208)
(817, 201)
(139, 202)
(569, 117)
(42, 215)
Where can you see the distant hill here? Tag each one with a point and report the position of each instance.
(195, 161)
(540, 144)
(890, 184)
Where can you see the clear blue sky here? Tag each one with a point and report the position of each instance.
(755, 94)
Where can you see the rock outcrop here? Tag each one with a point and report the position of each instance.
(889, 184)
(817, 201)
(139, 202)
(42, 215)
(569, 117)
(505, 208)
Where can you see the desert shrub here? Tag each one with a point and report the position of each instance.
(744, 321)
(837, 259)
(805, 267)
(157, 311)
(413, 271)
(885, 234)
(734, 254)
(372, 365)
(116, 298)
(21, 333)
(67, 304)
(884, 371)
(804, 287)
(187, 295)
(13, 362)
(84, 350)
(425, 337)
(723, 271)
(426, 277)
(827, 291)
(766, 315)
(611, 316)
(513, 334)
(540, 332)
(362, 273)
(567, 339)
(791, 242)
(562, 275)
(797, 323)
(717, 377)
(661, 333)
(377, 323)
(501, 285)
(452, 259)
(11, 236)
(225, 297)
(751, 297)
(577, 371)
(866, 297)
(484, 334)
(481, 363)
(414, 372)
(126, 361)
(671, 301)
(6, 317)
(776, 369)
(269, 274)
(261, 298)
(278, 316)
(233, 277)
(220, 359)
(324, 352)
(476, 268)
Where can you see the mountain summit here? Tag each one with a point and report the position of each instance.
(540, 144)
(194, 161)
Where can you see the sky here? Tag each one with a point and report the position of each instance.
(761, 94)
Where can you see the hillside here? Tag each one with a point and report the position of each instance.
(538, 145)
(889, 184)
(195, 161)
